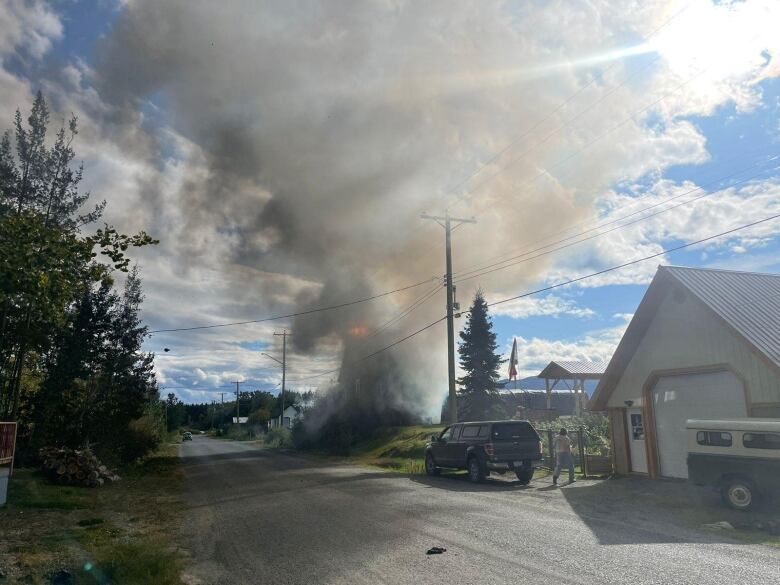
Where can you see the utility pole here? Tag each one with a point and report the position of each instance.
(446, 223)
(238, 417)
(284, 367)
(282, 363)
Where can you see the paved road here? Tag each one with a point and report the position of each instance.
(263, 517)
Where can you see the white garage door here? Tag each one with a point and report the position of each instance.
(678, 398)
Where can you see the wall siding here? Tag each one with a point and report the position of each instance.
(684, 334)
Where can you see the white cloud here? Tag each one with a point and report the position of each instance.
(28, 26)
(535, 353)
(550, 305)
(351, 114)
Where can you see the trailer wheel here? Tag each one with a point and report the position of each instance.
(739, 493)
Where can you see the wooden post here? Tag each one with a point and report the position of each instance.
(583, 465)
(13, 451)
(547, 388)
(551, 449)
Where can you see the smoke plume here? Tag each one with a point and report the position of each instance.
(311, 135)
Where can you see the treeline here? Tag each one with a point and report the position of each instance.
(72, 369)
(258, 406)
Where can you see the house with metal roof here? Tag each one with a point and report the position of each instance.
(703, 344)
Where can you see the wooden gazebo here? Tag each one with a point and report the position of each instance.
(572, 374)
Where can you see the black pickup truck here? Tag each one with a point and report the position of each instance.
(482, 447)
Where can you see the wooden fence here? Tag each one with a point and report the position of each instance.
(7, 443)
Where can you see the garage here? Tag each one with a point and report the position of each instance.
(676, 399)
(703, 344)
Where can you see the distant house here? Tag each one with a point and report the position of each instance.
(560, 390)
(703, 344)
(291, 414)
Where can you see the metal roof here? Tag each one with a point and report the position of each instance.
(748, 301)
(565, 370)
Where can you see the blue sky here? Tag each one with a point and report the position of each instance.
(353, 124)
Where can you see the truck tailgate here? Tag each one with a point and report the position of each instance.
(514, 442)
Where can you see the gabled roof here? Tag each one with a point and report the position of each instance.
(567, 370)
(747, 302)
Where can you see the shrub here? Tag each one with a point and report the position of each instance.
(279, 437)
(143, 435)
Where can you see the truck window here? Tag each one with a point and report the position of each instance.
(484, 430)
(456, 432)
(513, 431)
(761, 440)
(470, 432)
(714, 438)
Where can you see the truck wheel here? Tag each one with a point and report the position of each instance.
(739, 493)
(430, 465)
(524, 476)
(476, 470)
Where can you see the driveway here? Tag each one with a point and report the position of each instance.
(258, 516)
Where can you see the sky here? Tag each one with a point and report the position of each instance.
(282, 153)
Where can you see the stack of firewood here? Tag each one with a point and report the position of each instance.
(74, 467)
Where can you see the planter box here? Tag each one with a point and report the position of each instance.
(599, 464)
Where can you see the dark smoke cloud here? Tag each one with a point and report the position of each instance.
(318, 131)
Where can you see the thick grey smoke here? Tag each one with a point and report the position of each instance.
(318, 131)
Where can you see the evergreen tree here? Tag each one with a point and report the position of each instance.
(478, 398)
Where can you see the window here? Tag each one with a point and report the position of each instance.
(761, 440)
(713, 438)
(470, 432)
(484, 430)
(446, 434)
(637, 427)
(513, 431)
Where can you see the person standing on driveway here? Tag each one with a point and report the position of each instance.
(562, 445)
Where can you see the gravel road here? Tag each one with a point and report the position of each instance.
(258, 516)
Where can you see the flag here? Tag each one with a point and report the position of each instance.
(513, 362)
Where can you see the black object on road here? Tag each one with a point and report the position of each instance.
(436, 550)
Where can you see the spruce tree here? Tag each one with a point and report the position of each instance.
(478, 398)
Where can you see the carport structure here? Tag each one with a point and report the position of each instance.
(572, 374)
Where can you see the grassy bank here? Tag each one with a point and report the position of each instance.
(120, 533)
(399, 449)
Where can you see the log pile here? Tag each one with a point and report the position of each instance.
(74, 467)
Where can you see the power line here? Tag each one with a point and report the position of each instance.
(509, 262)
(599, 223)
(557, 285)
(419, 301)
(637, 261)
(297, 314)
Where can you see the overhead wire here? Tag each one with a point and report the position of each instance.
(524, 257)
(601, 223)
(554, 286)
(298, 313)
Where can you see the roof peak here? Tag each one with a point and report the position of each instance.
(673, 267)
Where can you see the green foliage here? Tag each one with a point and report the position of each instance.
(595, 425)
(279, 437)
(71, 366)
(478, 398)
(144, 434)
(259, 417)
